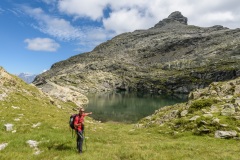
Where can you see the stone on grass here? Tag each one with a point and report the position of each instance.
(17, 119)
(223, 125)
(34, 144)
(225, 134)
(3, 145)
(9, 127)
(208, 115)
(184, 113)
(236, 117)
(215, 121)
(36, 125)
(194, 118)
(228, 110)
(15, 107)
(214, 109)
(139, 126)
(237, 101)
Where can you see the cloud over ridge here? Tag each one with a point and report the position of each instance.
(42, 44)
(126, 16)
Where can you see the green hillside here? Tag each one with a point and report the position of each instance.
(39, 118)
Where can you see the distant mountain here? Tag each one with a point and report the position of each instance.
(171, 57)
(28, 78)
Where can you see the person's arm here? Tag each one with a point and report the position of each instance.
(86, 114)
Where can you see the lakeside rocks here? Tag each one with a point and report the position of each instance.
(215, 114)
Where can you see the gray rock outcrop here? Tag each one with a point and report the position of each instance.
(173, 17)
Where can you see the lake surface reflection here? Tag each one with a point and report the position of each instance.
(127, 107)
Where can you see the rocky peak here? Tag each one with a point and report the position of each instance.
(177, 16)
(173, 17)
(3, 75)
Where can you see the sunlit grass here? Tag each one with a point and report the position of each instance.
(117, 141)
(113, 141)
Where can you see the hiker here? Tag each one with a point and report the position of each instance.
(79, 126)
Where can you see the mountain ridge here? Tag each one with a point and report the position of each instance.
(171, 57)
(27, 77)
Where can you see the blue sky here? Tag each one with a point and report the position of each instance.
(34, 34)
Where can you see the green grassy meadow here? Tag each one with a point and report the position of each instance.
(117, 141)
(113, 141)
(104, 141)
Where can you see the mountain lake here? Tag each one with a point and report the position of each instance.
(128, 107)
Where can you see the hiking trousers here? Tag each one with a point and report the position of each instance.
(79, 141)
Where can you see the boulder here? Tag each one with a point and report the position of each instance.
(237, 102)
(3, 145)
(184, 113)
(215, 121)
(228, 110)
(9, 127)
(225, 134)
(194, 118)
(214, 109)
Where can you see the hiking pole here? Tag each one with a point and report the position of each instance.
(85, 139)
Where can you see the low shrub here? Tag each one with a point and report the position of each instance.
(200, 104)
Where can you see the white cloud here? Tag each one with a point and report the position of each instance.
(45, 70)
(42, 44)
(88, 36)
(94, 36)
(219, 17)
(129, 15)
(126, 20)
(49, 1)
(88, 8)
(56, 27)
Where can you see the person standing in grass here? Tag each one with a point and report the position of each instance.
(79, 126)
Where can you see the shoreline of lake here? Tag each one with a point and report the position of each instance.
(127, 107)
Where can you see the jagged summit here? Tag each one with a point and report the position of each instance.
(173, 17)
(177, 16)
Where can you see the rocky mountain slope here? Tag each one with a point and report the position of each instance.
(214, 110)
(11, 86)
(171, 57)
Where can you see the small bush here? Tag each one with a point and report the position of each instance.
(181, 121)
(200, 104)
